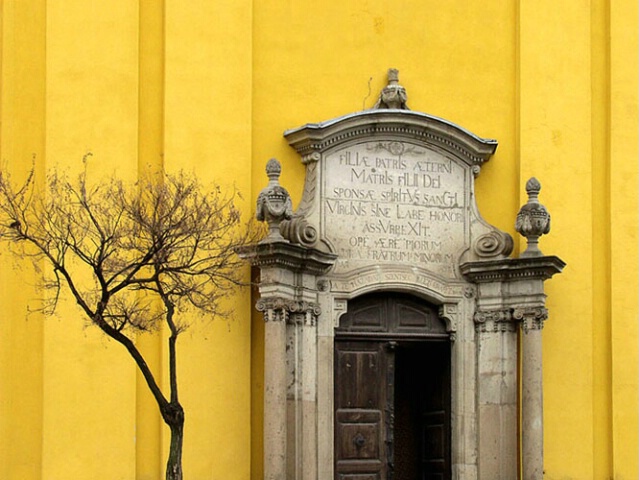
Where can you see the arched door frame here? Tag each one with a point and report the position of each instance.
(382, 402)
(453, 301)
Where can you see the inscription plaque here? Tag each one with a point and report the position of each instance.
(391, 202)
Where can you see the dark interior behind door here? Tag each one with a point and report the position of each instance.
(422, 411)
(392, 392)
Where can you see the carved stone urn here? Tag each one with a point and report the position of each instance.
(274, 202)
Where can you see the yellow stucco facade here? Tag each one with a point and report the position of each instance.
(209, 87)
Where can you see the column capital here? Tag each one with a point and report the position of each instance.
(502, 320)
(532, 318)
(277, 309)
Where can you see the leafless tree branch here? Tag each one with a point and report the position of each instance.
(133, 257)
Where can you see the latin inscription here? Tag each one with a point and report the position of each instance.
(392, 202)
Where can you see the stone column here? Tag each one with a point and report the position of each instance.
(289, 267)
(275, 315)
(516, 286)
(532, 391)
(301, 360)
(308, 395)
(288, 289)
(497, 393)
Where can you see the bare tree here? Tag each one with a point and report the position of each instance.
(133, 257)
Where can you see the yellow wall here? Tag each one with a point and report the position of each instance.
(140, 86)
(210, 87)
(22, 65)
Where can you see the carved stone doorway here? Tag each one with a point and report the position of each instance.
(389, 206)
(392, 391)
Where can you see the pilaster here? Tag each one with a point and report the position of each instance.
(289, 302)
(496, 394)
(275, 431)
(532, 421)
(510, 297)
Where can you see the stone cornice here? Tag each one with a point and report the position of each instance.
(288, 256)
(317, 137)
(512, 269)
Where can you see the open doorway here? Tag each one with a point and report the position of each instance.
(392, 392)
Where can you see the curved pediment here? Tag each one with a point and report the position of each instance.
(392, 189)
(399, 124)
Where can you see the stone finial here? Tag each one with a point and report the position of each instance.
(274, 203)
(533, 220)
(393, 95)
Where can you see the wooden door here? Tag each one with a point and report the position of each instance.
(361, 415)
(392, 396)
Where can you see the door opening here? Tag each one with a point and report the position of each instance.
(392, 395)
(422, 411)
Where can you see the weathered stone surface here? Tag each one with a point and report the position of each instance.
(393, 95)
(394, 189)
(389, 205)
(533, 220)
(392, 202)
(274, 202)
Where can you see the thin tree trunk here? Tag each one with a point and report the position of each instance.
(175, 414)
(175, 420)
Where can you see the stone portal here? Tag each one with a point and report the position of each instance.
(388, 214)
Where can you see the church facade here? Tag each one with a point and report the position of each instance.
(403, 321)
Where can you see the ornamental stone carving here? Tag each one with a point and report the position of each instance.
(298, 230)
(274, 309)
(274, 203)
(532, 318)
(274, 207)
(493, 244)
(290, 311)
(487, 321)
(393, 95)
(449, 312)
(533, 220)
